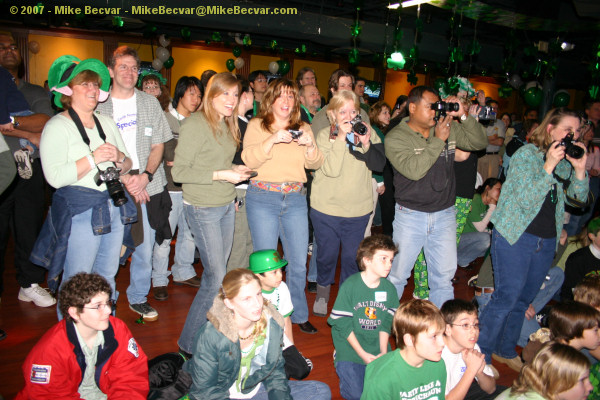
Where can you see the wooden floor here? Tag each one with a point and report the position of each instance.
(25, 323)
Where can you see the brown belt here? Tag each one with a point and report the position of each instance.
(481, 290)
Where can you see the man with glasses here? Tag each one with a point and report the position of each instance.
(22, 204)
(144, 130)
(89, 354)
(258, 83)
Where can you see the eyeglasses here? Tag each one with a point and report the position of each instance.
(260, 80)
(11, 47)
(109, 304)
(467, 327)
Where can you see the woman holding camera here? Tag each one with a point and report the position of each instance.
(527, 225)
(84, 229)
(279, 146)
(204, 166)
(342, 192)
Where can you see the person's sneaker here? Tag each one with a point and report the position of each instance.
(320, 308)
(145, 310)
(194, 282)
(514, 363)
(311, 287)
(307, 327)
(161, 293)
(40, 296)
(472, 281)
(23, 163)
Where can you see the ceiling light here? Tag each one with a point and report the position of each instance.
(410, 3)
(567, 46)
(394, 6)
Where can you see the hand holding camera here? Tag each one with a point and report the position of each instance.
(282, 136)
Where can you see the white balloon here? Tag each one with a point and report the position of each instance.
(164, 42)
(162, 54)
(157, 64)
(515, 81)
(239, 63)
(532, 84)
(273, 67)
(238, 39)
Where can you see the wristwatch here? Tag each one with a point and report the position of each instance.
(14, 121)
(150, 176)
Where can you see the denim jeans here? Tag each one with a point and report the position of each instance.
(277, 215)
(519, 271)
(482, 300)
(140, 269)
(352, 377)
(332, 232)
(183, 267)
(552, 284)
(435, 233)
(212, 228)
(471, 246)
(300, 390)
(89, 253)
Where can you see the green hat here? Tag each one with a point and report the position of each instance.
(594, 226)
(65, 68)
(151, 72)
(266, 260)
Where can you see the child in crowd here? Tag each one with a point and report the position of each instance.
(588, 291)
(415, 370)
(467, 375)
(582, 261)
(558, 372)
(89, 354)
(361, 318)
(267, 265)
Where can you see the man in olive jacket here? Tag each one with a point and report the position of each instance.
(421, 149)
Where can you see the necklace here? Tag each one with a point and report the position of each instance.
(250, 335)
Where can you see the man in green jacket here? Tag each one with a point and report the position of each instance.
(421, 149)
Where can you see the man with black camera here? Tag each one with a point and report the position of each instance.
(144, 130)
(421, 150)
(488, 166)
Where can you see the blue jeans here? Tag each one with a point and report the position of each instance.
(276, 215)
(89, 253)
(552, 284)
(332, 232)
(352, 377)
(471, 246)
(519, 271)
(212, 228)
(482, 300)
(140, 269)
(183, 268)
(435, 233)
(300, 390)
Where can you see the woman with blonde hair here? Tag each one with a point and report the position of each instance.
(203, 165)
(279, 147)
(527, 225)
(237, 354)
(557, 372)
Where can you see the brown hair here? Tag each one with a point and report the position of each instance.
(274, 91)
(568, 320)
(230, 288)
(415, 316)
(79, 291)
(338, 102)
(376, 110)
(554, 369)
(451, 309)
(123, 51)
(588, 290)
(163, 98)
(217, 85)
(301, 72)
(541, 136)
(369, 246)
(334, 79)
(84, 76)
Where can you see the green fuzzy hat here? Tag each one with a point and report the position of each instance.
(65, 68)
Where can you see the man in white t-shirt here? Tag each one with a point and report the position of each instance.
(467, 375)
(144, 130)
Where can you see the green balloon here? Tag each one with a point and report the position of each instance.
(284, 67)
(237, 51)
(533, 96)
(186, 33)
(230, 64)
(169, 63)
(561, 99)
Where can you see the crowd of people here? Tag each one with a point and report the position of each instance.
(231, 166)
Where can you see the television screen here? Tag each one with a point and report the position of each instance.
(373, 89)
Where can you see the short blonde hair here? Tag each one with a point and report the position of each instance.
(338, 101)
(554, 369)
(415, 316)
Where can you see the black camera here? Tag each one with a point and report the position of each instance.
(441, 108)
(358, 126)
(571, 149)
(295, 134)
(110, 176)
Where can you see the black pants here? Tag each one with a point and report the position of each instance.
(475, 392)
(22, 213)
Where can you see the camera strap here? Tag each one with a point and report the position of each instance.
(81, 129)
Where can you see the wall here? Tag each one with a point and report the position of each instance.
(193, 62)
(396, 85)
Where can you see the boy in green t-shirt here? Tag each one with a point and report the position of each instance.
(361, 318)
(415, 370)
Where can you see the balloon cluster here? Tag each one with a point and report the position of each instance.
(163, 56)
